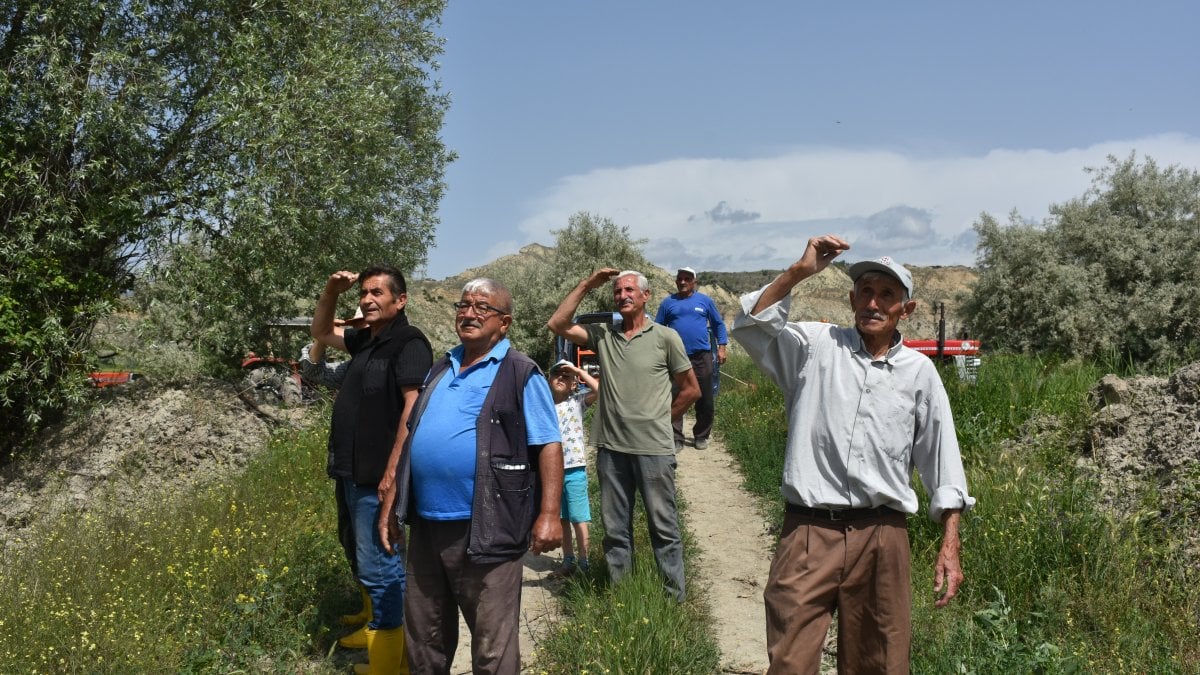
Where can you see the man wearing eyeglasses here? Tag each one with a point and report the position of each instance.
(389, 360)
(639, 362)
(479, 484)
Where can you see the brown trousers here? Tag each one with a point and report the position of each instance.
(858, 567)
(442, 580)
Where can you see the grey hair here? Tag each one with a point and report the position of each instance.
(643, 283)
(496, 291)
(882, 275)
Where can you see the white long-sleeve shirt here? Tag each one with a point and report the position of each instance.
(857, 426)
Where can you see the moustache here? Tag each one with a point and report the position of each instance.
(470, 323)
(872, 315)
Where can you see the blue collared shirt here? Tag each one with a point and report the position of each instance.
(692, 317)
(444, 445)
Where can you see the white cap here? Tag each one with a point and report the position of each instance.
(355, 321)
(887, 266)
(688, 270)
(559, 364)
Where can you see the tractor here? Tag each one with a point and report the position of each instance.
(963, 353)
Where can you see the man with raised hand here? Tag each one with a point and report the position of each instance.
(389, 361)
(863, 412)
(632, 426)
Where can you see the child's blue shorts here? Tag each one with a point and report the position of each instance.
(575, 507)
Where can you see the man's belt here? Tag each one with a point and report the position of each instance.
(838, 515)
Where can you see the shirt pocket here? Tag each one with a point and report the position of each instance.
(375, 376)
(897, 423)
(470, 398)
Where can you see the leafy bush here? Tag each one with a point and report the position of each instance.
(1111, 274)
(587, 243)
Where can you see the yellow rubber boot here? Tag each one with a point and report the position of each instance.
(355, 640)
(386, 654)
(364, 615)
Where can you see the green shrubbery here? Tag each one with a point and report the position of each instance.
(230, 154)
(1113, 273)
(585, 244)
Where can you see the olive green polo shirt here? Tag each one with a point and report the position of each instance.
(633, 411)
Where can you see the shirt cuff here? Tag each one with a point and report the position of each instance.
(304, 355)
(773, 315)
(949, 497)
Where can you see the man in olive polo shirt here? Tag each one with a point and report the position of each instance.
(632, 425)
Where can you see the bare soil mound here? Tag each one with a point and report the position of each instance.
(135, 442)
(1144, 447)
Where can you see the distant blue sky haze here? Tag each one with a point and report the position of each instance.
(728, 133)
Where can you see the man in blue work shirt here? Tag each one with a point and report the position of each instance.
(692, 314)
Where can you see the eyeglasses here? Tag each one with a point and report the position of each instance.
(482, 309)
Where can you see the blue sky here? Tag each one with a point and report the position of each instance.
(725, 134)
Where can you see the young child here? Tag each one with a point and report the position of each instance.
(570, 401)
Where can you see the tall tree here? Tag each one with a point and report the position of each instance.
(231, 152)
(1113, 273)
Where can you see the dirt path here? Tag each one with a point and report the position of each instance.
(735, 553)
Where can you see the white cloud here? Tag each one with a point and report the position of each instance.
(743, 214)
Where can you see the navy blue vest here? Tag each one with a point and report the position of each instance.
(507, 490)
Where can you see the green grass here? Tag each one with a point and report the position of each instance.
(632, 626)
(1054, 584)
(245, 575)
(241, 575)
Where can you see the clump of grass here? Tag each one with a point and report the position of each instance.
(1054, 584)
(632, 626)
(752, 420)
(629, 627)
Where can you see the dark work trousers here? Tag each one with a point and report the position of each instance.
(702, 364)
(441, 581)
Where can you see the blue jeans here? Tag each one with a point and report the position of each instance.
(381, 573)
(620, 475)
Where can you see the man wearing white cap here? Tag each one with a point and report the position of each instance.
(864, 410)
(694, 315)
